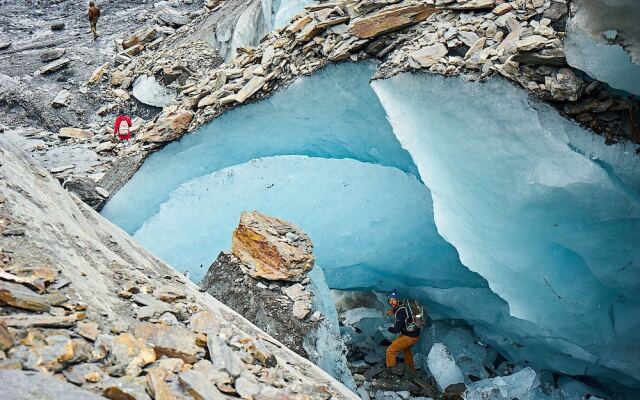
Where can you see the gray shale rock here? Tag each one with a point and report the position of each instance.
(85, 189)
(25, 385)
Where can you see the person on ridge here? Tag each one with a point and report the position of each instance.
(409, 334)
(93, 13)
(122, 127)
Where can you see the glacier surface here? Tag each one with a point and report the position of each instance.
(486, 205)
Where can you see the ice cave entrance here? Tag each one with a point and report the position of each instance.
(484, 203)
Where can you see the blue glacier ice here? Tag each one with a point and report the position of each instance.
(324, 344)
(285, 11)
(258, 19)
(195, 224)
(540, 208)
(335, 114)
(603, 61)
(486, 205)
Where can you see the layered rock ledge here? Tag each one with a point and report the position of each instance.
(519, 40)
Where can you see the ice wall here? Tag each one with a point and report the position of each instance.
(540, 208)
(286, 10)
(587, 48)
(252, 25)
(334, 114)
(257, 20)
(325, 346)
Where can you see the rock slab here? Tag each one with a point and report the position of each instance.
(261, 243)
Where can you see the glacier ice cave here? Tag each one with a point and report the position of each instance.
(482, 202)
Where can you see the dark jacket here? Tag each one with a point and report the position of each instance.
(402, 317)
(93, 13)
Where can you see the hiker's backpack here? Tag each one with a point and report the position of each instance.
(416, 314)
(123, 128)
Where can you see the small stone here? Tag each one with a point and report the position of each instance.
(54, 66)
(429, 55)
(246, 386)
(102, 192)
(105, 147)
(168, 295)
(129, 351)
(81, 373)
(125, 388)
(533, 42)
(222, 357)
(198, 386)
(21, 297)
(125, 295)
(38, 385)
(34, 320)
(88, 330)
(301, 308)
(50, 55)
(204, 322)
(502, 9)
(201, 340)
(171, 341)
(10, 364)
(58, 26)
(6, 339)
(62, 99)
(98, 73)
(74, 133)
(296, 292)
(250, 88)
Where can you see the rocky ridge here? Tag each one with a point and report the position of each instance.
(86, 311)
(520, 40)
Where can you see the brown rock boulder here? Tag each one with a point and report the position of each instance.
(171, 125)
(170, 341)
(390, 19)
(271, 248)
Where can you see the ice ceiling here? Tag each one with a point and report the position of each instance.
(486, 204)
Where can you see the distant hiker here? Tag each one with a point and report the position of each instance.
(405, 326)
(122, 127)
(94, 14)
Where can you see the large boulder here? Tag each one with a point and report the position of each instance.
(271, 248)
(171, 125)
(390, 19)
(85, 189)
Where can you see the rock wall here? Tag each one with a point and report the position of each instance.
(80, 300)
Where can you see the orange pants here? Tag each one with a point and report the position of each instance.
(401, 344)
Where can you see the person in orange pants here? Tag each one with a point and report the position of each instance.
(409, 335)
